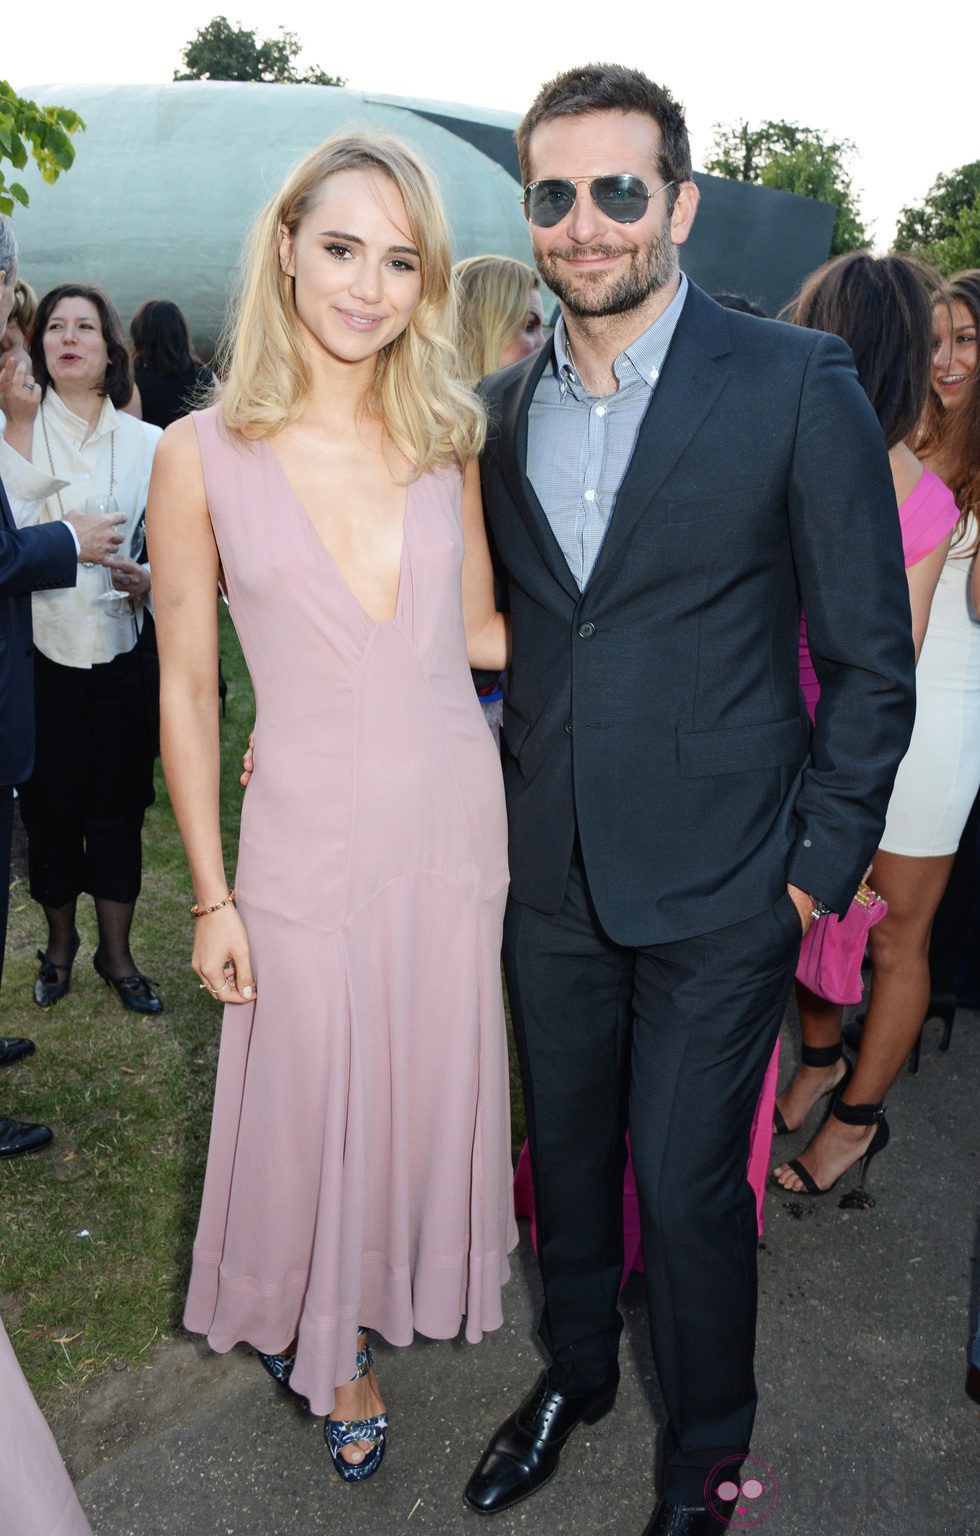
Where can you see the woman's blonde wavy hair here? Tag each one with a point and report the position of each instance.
(431, 417)
(492, 294)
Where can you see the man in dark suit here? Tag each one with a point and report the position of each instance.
(664, 485)
(31, 560)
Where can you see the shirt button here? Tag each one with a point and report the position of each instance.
(568, 727)
(655, 374)
(807, 843)
(600, 410)
(586, 630)
(590, 495)
(86, 477)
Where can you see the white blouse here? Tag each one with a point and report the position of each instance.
(71, 625)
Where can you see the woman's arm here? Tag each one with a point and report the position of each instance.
(487, 631)
(922, 579)
(185, 579)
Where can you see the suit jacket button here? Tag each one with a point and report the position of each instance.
(568, 727)
(586, 630)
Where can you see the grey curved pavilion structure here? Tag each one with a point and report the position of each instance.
(168, 178)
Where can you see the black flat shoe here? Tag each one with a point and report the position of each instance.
(135, 992)
(524, 1452)
(17, 1136)
(53, 981)
(15, 1050)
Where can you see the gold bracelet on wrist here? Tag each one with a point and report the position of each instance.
(198, 911)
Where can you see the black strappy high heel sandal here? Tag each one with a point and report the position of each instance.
(817, 1056)
(848, 1114)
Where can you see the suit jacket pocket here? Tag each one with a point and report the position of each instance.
(774, 744)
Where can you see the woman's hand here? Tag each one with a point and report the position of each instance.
(248, 761)
(221, 957)
(20, 399)
(129, 577)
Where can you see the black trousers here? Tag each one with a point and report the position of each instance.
(671, 1041)
(84, 804)
(6, 839)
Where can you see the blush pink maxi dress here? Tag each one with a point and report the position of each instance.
(359, 1164)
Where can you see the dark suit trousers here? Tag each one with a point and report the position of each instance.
(672, 1041)
(6, 839)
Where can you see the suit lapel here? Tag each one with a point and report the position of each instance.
(695, 372)
(513, 464)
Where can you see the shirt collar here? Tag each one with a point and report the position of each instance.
(641, 360)
(77, 426)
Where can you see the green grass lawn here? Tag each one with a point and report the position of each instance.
(129, 1100)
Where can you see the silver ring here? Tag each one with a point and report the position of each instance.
(29, 383)
(225, 983)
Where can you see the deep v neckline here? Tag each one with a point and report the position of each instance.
(331, 557)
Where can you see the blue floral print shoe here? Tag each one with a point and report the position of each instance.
(280, 1367)
(339, 1432)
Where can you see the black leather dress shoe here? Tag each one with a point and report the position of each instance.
(135, 992)
(682, 1520)
(15, 1050)
(524, 1452)
(18, 1136)
(53, 981)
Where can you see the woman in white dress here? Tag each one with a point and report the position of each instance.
(937, 780)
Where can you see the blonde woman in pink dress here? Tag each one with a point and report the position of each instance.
(359, 1171)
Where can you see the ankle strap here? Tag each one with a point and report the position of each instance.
(821, 1055)
(858, 1114)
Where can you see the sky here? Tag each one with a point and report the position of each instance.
(905, 96)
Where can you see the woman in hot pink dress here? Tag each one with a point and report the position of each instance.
(359, 1170)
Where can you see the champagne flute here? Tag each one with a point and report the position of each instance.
(107, 506)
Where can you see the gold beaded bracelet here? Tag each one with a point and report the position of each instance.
(199, 911)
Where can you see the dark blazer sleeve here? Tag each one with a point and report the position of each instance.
(34, 559)
(847, 550)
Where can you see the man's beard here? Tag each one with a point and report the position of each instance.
(651, 267)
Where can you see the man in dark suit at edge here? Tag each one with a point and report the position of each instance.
(31, 559)
(664, 485)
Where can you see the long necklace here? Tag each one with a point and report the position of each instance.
(47, 444)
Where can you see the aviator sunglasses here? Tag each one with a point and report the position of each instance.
(621, 198)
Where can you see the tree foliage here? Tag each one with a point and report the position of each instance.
(221, 51)
(945, 227)
(793, 159)
(29, 131)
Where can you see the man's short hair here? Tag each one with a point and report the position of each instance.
(8, 250)
(610, 88)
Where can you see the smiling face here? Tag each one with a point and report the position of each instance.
(954, 351)
(355, 267)
(595, 265)
(74, 348)
(530, 337)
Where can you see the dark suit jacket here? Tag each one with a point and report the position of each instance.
(659, 711)
(31, 560)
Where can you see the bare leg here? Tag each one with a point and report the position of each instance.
(897, 1006)
(359, 1399)
(820, 1024)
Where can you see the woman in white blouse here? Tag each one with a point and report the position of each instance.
(68, 444)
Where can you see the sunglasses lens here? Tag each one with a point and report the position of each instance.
(547, 202)
(622, 198)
